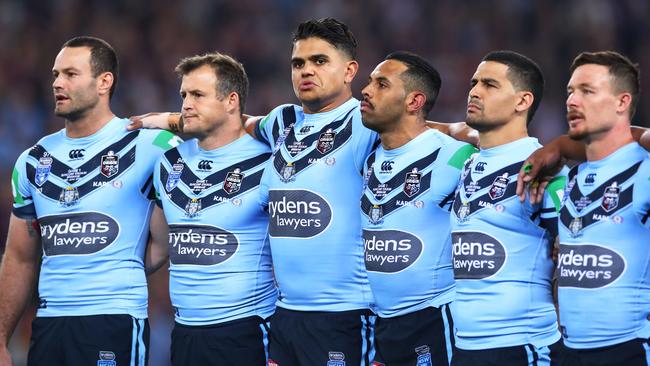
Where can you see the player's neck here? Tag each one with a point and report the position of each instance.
(222, 135)
(503, 134)
(322, 106)
(402, 133)
(89, 123)
(601, 145)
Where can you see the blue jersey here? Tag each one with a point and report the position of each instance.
(405, 218)
(312, 187)
(604, 263)
(78, 189)
(220, 264)
(502, 254)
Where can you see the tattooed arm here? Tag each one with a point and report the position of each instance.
(18, 277)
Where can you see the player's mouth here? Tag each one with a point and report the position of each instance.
(366, 105)
(574, 117)
(473, 107)
(306, 85)
(60, 98)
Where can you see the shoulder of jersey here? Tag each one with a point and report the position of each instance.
(275, 112)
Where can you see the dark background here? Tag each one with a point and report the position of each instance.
(151, 36)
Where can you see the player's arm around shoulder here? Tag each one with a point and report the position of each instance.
(458, 130)
(157, 250)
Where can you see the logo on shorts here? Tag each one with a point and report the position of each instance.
(106, 358)
(336, 359)
(424, 355)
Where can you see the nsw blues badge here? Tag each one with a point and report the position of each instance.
(174, 176)
(43, 169)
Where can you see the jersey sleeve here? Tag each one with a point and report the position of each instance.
(157, 186)
(267, 129)
(23, 205)
(152, 145)
(457, 154)
(641, 193)
(552, 202)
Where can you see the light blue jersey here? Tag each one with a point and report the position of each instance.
(90, 196)
(502, 254)
(220, 264)
(604, 262)
(312, 189)
(405, 217)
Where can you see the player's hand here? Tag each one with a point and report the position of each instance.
(538, 170)
(149, 121)
(5, 357)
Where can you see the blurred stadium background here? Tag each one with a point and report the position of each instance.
(151, 36)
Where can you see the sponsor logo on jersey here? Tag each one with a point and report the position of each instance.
(326, 141)
(390, 251)
(476, 255)
(205, 165)
(424, 356)
(336, 358)
(297, 213)
(305, 129)
(610, 197)
(77, 233)
(43, 169)
(109, 164)
(480, 167)
(232, 183)
(174, 177)
(498, 187)
(386, 166)
(412, 183)
(204, 245)
(588, 266)
(106, 358)
(76, 154)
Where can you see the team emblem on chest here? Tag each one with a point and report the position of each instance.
(69, 196)
(412, 182)
(193, 207)
(174, 176)
(610, 197)
(286, 175)
(326, 141)
(232, 183)
(110, 164)
(498, 187)
(43, 169)
(376, 213)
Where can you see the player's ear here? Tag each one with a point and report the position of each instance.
(351, 69)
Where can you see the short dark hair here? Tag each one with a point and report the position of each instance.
(102, 57)
(523, 73)
(420, 75)
(624, 73)
(330, 30)
(230, 74)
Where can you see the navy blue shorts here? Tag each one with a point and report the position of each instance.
(631, 353)
(234, 343)
(321, 338)
(525, 355)
(102, 340)
(424, 337)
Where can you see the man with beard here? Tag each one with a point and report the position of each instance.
(604, 282)
(410, 183)
(72, 185)
(504, 312)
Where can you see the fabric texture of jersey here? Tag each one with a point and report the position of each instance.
(93, 248)
(310, 187)
(220, 262)
(405, 218)
(502, 254)
(604, 264)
